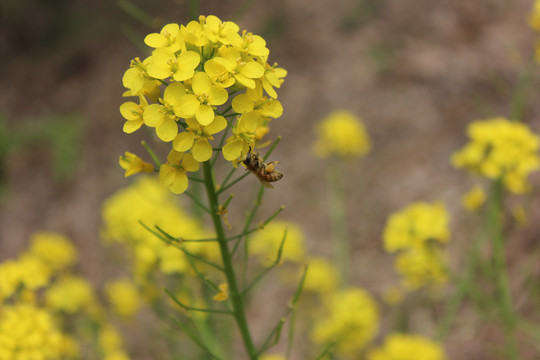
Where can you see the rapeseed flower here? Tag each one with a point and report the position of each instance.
(148, 200)
(134, 164)
(28, 332)
(341, 134)
(123, 297)
(415, 225)
(203, 71)
(501, 149)
(415, 232)
(197, 136)
(54, 250)
(322, 277)
(350, 317)
(474, 199)
(174, 173)
(407, 347)
(70, 294)
(266, 242)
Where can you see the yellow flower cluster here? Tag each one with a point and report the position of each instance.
(501, 149)
(124, 297)
(414, 232)
(27, 332)
(266, 242)
(187, 86)
(341, 134)
(47, 256)
(350, 317)
(474, 199)
(407, 347)
(146, 199)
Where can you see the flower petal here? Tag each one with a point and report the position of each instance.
(188, 105)
(189, 163)
(166, 174)
(216, 126)
(233, 149)
(180, 183)
(131, 126)
(202, 150)
(217, 95)
(242, 104)
(167, 130)
(184, 141)
(153, 115)
(253, 70)
(201, 83)
(205, 115)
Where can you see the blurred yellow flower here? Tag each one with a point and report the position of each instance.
(266, 242)
(474, 199)
(534, 16)
(53, 249)
(341, 134)
(501, 149)
(350, 317)
(322, 277)
(9, 278)
(70, 294)
(272, 357)
(123, 297)
(27, 332)
(150, 201)
(407, 347)
(421, 267)
(415, 225)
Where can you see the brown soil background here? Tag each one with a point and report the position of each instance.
(416, 71)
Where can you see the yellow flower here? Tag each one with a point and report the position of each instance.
(9, 278)
(520, 215)
(134, 164)
(27, 332)
(223, 294)
(474, 199)
(169, 37)
(70, 294)
(243, 69)
(33, 272)
(322, 277)
(253, 100)
(266, 242)
(150, 201)
(534, 17)
(421, 267)
(205, 95)
(407, 347)
(273, 78)
(272, 357)
(173, 173)
(163, 117)
(350, 317)
(501, 149)
(124, 297)
(138, 82)
(53, 249)
(165, 63)
(133, 113)
(341, 134)
(415, 225)
(196, 138)
(111, 343)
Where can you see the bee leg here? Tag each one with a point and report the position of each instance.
(270, 166)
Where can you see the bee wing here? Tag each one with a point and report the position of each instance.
(266, 184)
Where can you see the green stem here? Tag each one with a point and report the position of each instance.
(236, 297)
(501, 270)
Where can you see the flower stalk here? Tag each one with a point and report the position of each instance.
(236, 297)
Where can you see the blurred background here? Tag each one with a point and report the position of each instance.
(415, 71)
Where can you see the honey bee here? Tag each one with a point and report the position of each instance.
(266, 173)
